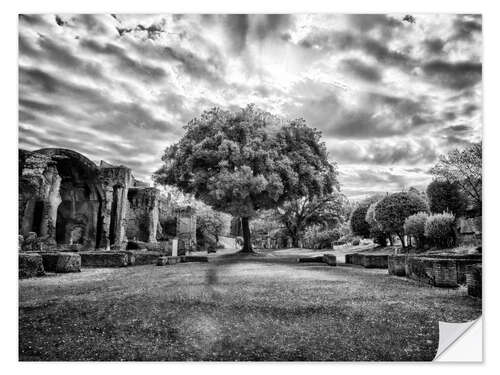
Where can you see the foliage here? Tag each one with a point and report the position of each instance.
(322, 239)
(209, 226)
(463, 167)
(296, 215)
(445, 196)
(245, 161)
(393, 209)
(439, 229)
(359, 225)
(376, 232)
(415, 226)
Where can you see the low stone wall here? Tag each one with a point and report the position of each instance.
(142, 257)
(330, 259)
(105, 259)
(367, 260)
(316, 259)
(474, 280)
(164, 260)
(61, 262)
(194, 258)
(396, 264)
(355, 258)
(374, 260)
(30, 265)
(433, 271)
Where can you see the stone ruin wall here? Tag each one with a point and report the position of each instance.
(66, 202)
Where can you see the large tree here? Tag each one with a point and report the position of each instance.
(327, 210)
(245, 161)
(463, 167)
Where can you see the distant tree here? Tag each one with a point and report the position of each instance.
(463, 167)
(415, 226)
(298, 214)
(245, 161)
(359, 225)
(393, 209)
(210, 224)
(376, 232)
(446, 196)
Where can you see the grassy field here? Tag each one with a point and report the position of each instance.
(253, 308)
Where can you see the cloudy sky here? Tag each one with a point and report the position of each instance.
(388, 95)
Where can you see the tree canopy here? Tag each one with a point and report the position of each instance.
(393, 209)
(463, 167)
(446, 196)
(244, 161)
(327, 210)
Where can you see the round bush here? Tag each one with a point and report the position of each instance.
(415, 226)
(392, 211)
(439, 229)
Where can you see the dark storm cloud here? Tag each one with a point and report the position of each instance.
(434, 46)
(453, 75)
(360, 69)
(124, 61)
(466, 26)
(382, 153)
(334, 41)
(470, 109)
(272, 25)
(325, 109)
(243, 29)
(237, 26)
(210, 69)
(101, 111)
(367, 22)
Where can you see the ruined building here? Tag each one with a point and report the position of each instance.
(70, 203)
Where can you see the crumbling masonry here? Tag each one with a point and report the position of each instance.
(67, 202)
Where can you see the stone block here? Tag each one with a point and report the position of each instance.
(142, 257)
(396, 264)
(30, 265)
(162, 261)
(61, 262)
(104, 259)
(433, 271)
(474, 280)
(374, 260)
(173, 260)
(194, 258)
(316, 259)
(330, 259)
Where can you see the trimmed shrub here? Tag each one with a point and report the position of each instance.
(439, 229)
(355, 242)
(415, 226)
(392, 211)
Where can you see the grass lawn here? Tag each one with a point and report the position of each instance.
(253, 308)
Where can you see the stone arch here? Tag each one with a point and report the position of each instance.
(79, 213)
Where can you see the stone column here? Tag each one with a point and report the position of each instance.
(52, 199)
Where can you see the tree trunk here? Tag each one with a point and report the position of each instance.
(247, 244)
(295, 241)
(402, 238)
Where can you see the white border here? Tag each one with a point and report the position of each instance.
(8, 224)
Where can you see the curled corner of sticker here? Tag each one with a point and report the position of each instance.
(450, 334)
